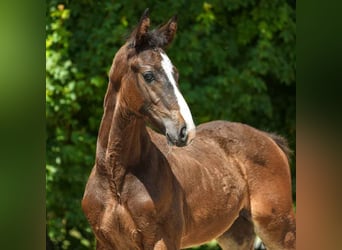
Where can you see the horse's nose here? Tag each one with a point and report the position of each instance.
(183, 135)
(179, 136)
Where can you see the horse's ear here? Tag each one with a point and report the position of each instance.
(139, 34)
(168, 31)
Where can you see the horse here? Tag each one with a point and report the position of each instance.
(160, 182)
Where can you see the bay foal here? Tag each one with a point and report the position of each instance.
(223, 180)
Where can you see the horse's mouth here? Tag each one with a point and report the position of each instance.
(169, 140)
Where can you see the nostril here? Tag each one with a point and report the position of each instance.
(183, 134)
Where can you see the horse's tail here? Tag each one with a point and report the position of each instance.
(282, 144)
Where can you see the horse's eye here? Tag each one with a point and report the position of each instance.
(148, 76)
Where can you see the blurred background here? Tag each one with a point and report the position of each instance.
(236, 60)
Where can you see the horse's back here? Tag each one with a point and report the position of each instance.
(238, 139)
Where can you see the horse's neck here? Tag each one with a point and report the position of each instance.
(120, 131)
(106, 122)
(128, 140)
(123, 143)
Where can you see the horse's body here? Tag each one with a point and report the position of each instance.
(230, 181)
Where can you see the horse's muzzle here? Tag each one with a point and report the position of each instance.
(180, 137)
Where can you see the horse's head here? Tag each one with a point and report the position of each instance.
(146, 82)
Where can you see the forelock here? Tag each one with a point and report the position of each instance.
(150, 40)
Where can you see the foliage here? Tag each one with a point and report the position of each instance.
(236, 61)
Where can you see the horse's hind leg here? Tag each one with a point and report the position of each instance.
(269, 183)
(277, 230)
(272, 214)
(240, 235)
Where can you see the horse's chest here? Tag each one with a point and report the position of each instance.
(138, 214)
(120, 224)
(123, 224)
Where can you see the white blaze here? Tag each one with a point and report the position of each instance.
(184, 108)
